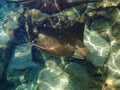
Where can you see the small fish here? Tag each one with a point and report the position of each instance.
(51, 6)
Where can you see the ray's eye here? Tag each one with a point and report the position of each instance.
(34, 41)
(107, 87)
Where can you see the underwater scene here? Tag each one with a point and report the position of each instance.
(59, 44)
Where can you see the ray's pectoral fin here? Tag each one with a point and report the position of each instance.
(42, 48)
(57, 50)
(80, 49)
(80, 52)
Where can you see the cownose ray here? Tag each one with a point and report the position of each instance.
(51, 6)
(68, 42)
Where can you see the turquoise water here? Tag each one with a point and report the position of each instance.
(23, 67)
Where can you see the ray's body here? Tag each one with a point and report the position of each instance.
(67, 42)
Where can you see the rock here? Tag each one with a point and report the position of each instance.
(21, 67)
(22, 58)
(2, 62)
(52, 76)
(77, 75)
(4, 38)
(99, 48)
(113, 65)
